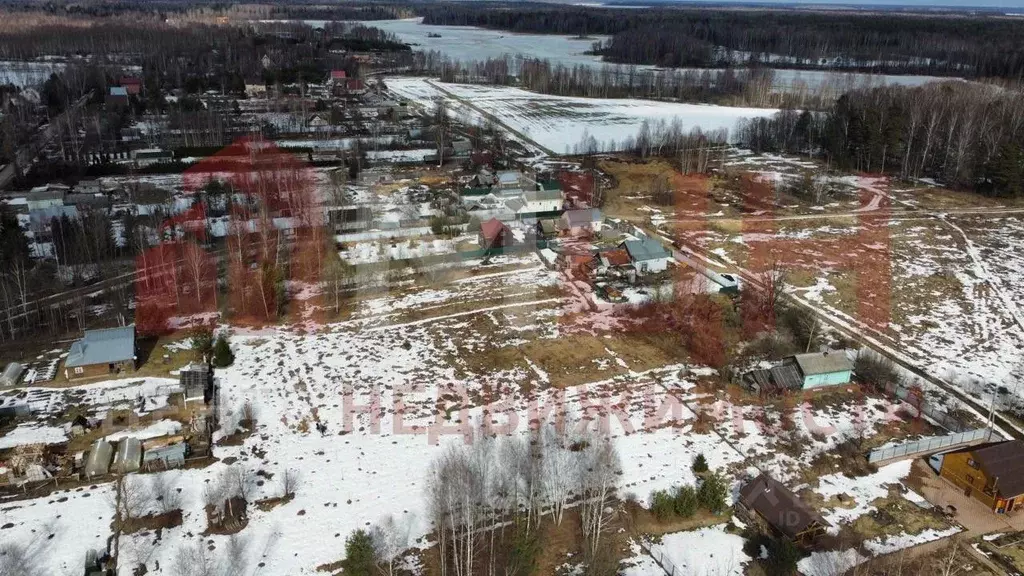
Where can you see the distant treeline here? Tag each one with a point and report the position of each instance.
(730, 86)
(906, 44)
(965, 134)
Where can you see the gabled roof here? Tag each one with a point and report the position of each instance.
(645, 249)
(508, 177)
(823, 363)
(338, 74)
(515, 204)
(1004, 463)
(787, 376)
(779, 506)
(547, 226)
(104, 346)
(491, 229)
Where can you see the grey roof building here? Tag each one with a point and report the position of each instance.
(645, 249)
(823, 363)
(782, 510)
(104, 347)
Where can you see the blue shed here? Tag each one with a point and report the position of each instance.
(821, 369)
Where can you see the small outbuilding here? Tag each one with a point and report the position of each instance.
(97, 463)
(165, 457)
(129, 456)
(830, 368)
(11, 375)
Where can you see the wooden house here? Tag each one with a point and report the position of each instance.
(991, 473)
(765, 501)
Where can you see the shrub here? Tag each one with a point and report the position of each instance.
(876, 370)
(359, 555)
(202, 342)
(700, 464)
(685, 501)
(783, 556)
(222, 354)
(712, 494)
(662, 505)
(474, 225)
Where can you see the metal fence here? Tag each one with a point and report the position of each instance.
(663, 561)
(932, 444)
(903, 392)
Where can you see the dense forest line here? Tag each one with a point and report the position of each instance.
(729, 87)
(957, 46)
(965, 134)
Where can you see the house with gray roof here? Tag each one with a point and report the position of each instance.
(104, 352)
(647, 254)
(824, 368)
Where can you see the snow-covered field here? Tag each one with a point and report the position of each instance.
(561, 123)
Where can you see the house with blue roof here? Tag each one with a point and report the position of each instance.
(105, 352)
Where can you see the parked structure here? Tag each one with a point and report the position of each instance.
(991, 473)
(767, 502)
(102, 352)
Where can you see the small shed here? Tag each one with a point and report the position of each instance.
(824, 369)
(11, 375)
(196, 381)
(97, 463)
(129, 456)
(495, 234)
(164, 457)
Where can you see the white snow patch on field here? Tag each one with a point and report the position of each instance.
(559, 123)
(863, 490)
(32, 433)
(703, 552)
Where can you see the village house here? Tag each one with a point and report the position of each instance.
(149, 156)
(43, 197)
(131, 85)
(101, 353)
(766, 502)
(991, 473)
(802, 372)
(256, 90)
(495, 234)
(117, 97)
(581, 222)
(647, 255)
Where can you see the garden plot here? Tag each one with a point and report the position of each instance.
(561, 123)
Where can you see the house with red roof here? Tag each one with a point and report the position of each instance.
(495, 234)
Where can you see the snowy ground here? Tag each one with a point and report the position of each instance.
(408, 353)
(561, 123)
